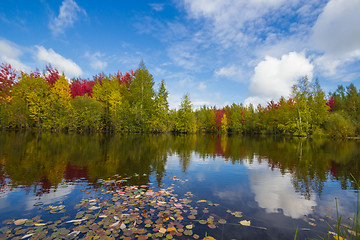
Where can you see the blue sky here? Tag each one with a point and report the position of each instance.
(220, 52)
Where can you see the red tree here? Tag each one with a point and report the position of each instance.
(80, 87)
(331, 103)
(52, 74)
(8, 77)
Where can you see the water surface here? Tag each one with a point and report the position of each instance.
(279, 184)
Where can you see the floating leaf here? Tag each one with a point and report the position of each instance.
(211, 225)
(93, 208)
(245, 223)
(122, 226)
(222, 221)
(27, 236)
(203, 222)
(208, 238)
(20, 221)
(312, 224)
(171, 229)
(40, 224)
(178, 205)
(190, 226)
(201, 201)
(162, 230)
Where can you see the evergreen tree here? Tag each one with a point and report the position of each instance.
(185, 121)
(160, 117)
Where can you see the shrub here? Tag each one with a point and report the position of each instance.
(340, 126)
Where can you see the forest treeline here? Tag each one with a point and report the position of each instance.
(129, 103)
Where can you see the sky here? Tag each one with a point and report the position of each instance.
(218, 51)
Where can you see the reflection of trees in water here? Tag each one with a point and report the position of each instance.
(45, 159)
(310, 162)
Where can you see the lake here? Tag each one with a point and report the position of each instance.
(174, 186)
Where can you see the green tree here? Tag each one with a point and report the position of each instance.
(159, 121)
(85, 114)
(339, 126)
(319, 109)
(185, 121)
(301, 94)
(141, 99)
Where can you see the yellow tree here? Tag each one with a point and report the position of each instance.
(30, 96)
(108, 93)
(58, 105)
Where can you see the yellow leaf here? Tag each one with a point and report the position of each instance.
(171, 229)
(337, 237)
(190, 226)
(208, 238)
(20, 221)
(201, 201)
(245, 223)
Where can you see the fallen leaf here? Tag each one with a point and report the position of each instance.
(200, 201)
(178, 205)
(245, 223)
(20, 221)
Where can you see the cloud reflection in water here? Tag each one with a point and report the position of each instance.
(275, 192)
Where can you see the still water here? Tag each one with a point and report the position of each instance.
(210, 184)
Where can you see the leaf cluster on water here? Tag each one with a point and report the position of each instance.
(121, 211)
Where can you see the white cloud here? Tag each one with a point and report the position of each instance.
(232, 72)
(336, 34)
(10, 54)
(230, 18)
(274, 191)
(65, 65)
(274, 77)
(95, 60)
(157, 6)
(202, 86)
(68, 14)
(183, 54)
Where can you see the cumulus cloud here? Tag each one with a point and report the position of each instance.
(274, 77)
(10, 54)
(232, 72)
(68, 14)
(95, 60)
(274, 191)
(336, 34)
(70, 68)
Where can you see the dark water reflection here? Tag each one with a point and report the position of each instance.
(271, 180)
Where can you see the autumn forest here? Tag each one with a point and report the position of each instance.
(129, 103)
